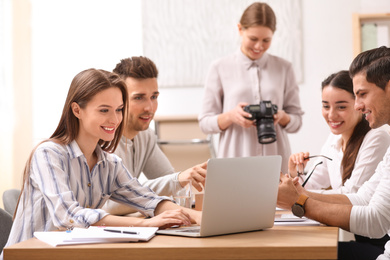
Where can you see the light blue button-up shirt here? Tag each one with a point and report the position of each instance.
(62, 192)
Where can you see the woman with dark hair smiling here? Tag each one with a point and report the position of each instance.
(355, 148)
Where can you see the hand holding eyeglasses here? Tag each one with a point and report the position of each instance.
(297, 164)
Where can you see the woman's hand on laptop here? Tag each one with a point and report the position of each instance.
(168, 214)
(169, 218)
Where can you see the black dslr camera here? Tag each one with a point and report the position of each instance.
(264, 115)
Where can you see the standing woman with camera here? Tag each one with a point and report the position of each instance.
(247, 77)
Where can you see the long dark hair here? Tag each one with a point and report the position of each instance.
(85, 85)
(343, 81)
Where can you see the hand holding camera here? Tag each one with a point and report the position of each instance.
(264, 113)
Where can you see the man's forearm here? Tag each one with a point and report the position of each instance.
(328, 213)
(329, 198)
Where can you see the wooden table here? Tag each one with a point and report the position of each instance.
(279, 242)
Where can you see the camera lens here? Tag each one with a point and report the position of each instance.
(267, 139)
(263, 114)
(266, 131)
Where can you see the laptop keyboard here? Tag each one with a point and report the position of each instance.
(190, 230)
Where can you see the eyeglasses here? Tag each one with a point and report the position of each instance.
(314, 156)
(315, 166)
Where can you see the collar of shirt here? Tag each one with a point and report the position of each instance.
(75, 152)
(248, 63)
(127, 141)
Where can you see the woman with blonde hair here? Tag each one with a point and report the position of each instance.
(247, 77)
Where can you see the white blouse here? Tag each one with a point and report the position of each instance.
(328, 174)
(236, 78)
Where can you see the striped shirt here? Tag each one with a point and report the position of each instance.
(62, 192)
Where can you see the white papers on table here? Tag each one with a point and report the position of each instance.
(96, 235)
(291, 220)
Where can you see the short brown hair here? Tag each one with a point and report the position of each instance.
(136, 67)
(375, 64)
(258, 14)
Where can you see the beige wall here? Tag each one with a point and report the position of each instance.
(22, 139)
(320, 58)
(16, 146)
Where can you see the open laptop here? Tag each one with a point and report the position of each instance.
(240, 195)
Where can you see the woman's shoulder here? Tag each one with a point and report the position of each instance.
(71, 149)
(52, 145)
(278, 60)
(226, 60)
(52, 149)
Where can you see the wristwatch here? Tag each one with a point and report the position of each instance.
(298, 209)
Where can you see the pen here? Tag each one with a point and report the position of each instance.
(121, 231)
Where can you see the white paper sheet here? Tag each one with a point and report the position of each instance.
(95, 235)
(291, 220)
